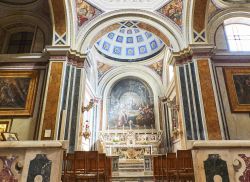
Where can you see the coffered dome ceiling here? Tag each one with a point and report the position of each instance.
(129, 43)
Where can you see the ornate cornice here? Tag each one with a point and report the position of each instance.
(64, 53)
(193, 51)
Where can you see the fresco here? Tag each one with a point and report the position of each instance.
(85, 12)
(131, 105)
(173, 10)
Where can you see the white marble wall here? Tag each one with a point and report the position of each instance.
(238, 123)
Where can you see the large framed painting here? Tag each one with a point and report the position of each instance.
(131, 105)
(238, 88)
(17, 92)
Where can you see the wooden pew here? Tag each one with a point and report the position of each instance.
(102, 164)
(185, 166)
(68, 167)
(109, 168)
(171, 168)
(157, 168)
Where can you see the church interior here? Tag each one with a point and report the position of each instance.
(125, 90)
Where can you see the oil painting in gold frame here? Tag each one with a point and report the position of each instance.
(238, 88)
(17, 92)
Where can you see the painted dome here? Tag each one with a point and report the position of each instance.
(129, 44)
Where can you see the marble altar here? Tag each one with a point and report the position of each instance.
(24, 161)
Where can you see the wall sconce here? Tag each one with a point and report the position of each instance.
(90, 105)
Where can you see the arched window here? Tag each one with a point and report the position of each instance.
(238, 36)
(20, 42)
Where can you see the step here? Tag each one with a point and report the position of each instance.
(132, 177)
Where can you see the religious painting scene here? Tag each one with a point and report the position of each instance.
(85, 12)
(125, 90)
(14, 92)
(173, 10)
(131, 105)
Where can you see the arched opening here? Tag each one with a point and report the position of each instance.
(238, 36)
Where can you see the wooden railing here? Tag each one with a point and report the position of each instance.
(85, 166)
(174, 167)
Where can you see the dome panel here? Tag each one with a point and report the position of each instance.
(129, 44)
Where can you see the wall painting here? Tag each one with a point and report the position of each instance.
(131, 105)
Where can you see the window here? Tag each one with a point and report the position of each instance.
(20, 42)
(238, 36)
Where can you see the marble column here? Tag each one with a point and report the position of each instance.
(62, 114)
(198, 101)
(52, 103)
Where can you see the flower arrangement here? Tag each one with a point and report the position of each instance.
(86, 134)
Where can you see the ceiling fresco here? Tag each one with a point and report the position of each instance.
(85, 12)
(173, 11)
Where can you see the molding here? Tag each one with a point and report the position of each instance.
(168, 28)
(193, 51)
(237, 57)
(64, 53)
(24, 58)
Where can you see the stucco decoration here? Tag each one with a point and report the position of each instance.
(85, 12)
(173, 10)
(157, 67)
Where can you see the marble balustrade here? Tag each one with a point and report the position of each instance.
(24, 161)
(222, 160)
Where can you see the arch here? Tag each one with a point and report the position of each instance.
(145, 74)
(29, 21)
(219, 19)
(168, 29)
(59, 21)
(199, 25)
(28, 18)
(198, 21)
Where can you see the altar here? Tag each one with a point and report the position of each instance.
(130, 144)
(129, 151)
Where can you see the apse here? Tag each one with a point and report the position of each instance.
(131, 105)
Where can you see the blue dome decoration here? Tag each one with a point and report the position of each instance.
(129, 43)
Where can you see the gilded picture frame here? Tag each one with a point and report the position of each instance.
(7, 136)
(17, 92)
(5, 126)
(238, 88)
